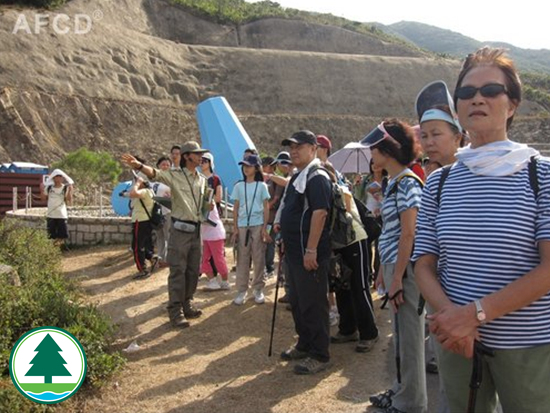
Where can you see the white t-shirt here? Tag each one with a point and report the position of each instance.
(210, 233)
(162, 190)
(57, 208)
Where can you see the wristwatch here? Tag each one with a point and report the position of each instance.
(480, 313)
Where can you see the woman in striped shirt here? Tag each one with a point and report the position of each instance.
(393, 147)
(482, 249)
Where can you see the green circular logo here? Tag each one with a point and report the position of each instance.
(47, 365)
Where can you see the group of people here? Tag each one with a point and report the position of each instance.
(472, 242)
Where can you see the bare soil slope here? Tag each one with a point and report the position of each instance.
(132, 84)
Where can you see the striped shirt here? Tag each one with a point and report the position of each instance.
(407, 196)
(484, 232)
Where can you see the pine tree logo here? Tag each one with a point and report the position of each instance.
(48, 365)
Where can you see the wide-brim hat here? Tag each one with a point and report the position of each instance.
(192, 147)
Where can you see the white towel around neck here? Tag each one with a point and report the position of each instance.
(501, 158)
(301, 181)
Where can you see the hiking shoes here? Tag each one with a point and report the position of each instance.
(224, 285)
(179, 322)
(340, 338)
(364, 346)
(311, 366)
(284, 299)
(259, 297)
(192, 312)
(142, 275)
(293, 353)
(240, 298)
(213, 285)
(382, 400)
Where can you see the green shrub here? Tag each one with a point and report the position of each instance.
(90, 170)
(46, 4)
(46, 298)
(11, 401)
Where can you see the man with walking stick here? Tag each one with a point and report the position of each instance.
(305, 233)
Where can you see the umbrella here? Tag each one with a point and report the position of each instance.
(352, 158)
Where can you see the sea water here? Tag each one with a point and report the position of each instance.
(48, 396)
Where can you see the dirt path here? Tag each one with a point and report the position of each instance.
(220, 363)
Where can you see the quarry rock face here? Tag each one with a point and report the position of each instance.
(133, 80)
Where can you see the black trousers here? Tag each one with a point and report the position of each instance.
(142, 243)
(310, 309)
(355, 305)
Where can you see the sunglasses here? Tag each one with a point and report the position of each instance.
(204, 160)
(488, 91)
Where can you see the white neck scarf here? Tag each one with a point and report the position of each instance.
(301, 181)
(502, 158)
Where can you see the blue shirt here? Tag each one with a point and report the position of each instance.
(407, 196)
(484, 232)
(251, 202)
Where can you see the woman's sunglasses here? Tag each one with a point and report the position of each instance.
(488, 91)
(204, 160)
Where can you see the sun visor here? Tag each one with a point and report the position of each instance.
(374, 136)
(434, 95)
(434, 102)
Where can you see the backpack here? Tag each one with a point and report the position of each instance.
(370, 223)
(533, 179)
(340, 220)
(155, 217)
(49, 189)
(393, 189)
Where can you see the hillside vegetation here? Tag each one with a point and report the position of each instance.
(454, 44)
(239, 11)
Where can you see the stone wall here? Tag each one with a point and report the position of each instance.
(82, 230)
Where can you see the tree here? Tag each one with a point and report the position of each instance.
(90, 170)
(48, 362)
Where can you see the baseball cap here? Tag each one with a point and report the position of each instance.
(324, 142)
(283, 157)
(210, 157)
(300, 137)
(251, 160)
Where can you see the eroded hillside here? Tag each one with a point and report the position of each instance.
(132, 84)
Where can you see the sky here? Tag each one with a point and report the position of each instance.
(521, 23)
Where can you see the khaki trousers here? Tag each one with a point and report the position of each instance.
(520, 377)
(254, 249)
(184, 259)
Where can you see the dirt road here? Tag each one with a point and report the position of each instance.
(220, 363)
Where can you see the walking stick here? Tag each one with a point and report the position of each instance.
(279, 282)
(397, 349)
(480, 350)
(397, 340)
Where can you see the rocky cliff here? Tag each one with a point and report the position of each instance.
(133, 81)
